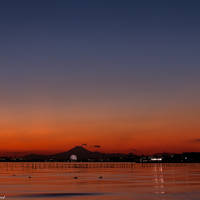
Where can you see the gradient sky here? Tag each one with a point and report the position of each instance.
(121, 74)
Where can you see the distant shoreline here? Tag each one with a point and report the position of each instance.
(89, 162)
(81, 154)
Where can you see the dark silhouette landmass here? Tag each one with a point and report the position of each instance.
(81, 154)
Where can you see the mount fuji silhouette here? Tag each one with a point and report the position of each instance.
(81, 154)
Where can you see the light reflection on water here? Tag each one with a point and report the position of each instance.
(142, 182)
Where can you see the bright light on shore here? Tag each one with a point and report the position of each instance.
(156, 159)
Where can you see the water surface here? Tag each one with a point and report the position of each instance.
(42, 181)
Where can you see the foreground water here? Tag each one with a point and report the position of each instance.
(141, 182)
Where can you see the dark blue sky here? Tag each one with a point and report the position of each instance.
(99, 38)
(99, 57)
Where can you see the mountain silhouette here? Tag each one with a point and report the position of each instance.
(81, 153)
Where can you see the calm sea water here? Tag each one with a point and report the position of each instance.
(142, 182)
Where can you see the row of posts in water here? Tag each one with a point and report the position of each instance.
(43, 165)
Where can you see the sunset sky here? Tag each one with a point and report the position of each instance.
(124, 75)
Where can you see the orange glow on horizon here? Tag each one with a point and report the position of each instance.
(47, 130)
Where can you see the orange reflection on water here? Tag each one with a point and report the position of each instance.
(142, 182)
